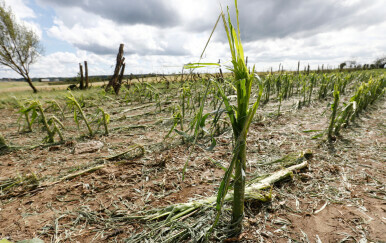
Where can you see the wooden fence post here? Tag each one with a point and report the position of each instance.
(114, 82)
(86, 74)
(117, 87)
(81, 84)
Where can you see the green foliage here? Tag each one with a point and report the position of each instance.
(32, 110)
(365, 95)
(54, 106)
(51, 126)
(334, 108)
(240, 117)
(19, 45)
(25, 110)
(74, 105)
(104, 120)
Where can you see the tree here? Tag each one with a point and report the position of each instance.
(380, 62)
(19, 45)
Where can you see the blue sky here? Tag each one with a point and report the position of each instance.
(45, 18)
(161, 35)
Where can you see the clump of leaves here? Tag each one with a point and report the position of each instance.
(365, 95)
(78, 112)
(50, 125)
(27, 182)
(25, 110)
(33, 111)
(103, 118)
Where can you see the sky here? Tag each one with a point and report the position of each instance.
(162, 35)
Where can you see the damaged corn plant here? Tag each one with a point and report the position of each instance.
(73, 103)
(365, 95)
(51, 125)
(240, 116)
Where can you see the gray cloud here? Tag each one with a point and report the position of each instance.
(150, 12)
(261, 19)
(129, 50)
(96, 48)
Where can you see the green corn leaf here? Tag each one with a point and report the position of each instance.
(197, 128)
(228, 35)
(203, 119)
(253, 110)
(5, 241)
(184, 134)
(223, 189)
(76, 118)
(319, 135)
(33, 116)
(218, 164)
(210, 37)
(230, 110)
(212, 145)
(311, 131)
(107, 117)
(199, 65)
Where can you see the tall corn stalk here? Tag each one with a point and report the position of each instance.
(241, 117)
(334, 108)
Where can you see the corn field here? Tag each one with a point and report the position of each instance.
(197, 157)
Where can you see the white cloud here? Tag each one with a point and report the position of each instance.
(20, 8)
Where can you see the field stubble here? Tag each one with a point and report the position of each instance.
(339, 197)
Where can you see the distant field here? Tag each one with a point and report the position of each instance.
(23, 86)
(6, 85)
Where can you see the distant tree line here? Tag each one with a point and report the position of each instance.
(380, 62)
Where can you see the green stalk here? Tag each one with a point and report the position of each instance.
(105, 120)
(75, 102)
(311, 88)
(56, 121)
(239, 186)
(45, 123)
(29, 123)
(280, 99)
(334, 108)
(240, 118)
(183, 111)
(105, 125)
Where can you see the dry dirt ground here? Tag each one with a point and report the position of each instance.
(340, 197)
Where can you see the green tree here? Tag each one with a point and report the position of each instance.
(380, 62)
(19, 45)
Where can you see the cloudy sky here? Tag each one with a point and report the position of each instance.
(161, 35)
